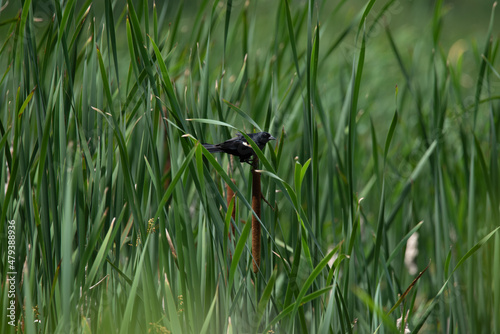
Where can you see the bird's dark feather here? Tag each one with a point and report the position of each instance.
(239, 146)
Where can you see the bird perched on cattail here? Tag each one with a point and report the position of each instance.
(238, 146)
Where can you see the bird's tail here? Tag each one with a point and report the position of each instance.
(212, 148)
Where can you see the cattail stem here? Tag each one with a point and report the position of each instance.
(256, 197)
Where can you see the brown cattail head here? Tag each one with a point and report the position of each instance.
(256, 197)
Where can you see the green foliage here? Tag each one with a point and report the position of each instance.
(115, 219)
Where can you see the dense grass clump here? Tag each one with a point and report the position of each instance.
(380, 197)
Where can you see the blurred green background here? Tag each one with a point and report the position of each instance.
(387, 119)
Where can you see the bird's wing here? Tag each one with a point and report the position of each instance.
(238, 138)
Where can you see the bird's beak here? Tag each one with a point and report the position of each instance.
(272, 138)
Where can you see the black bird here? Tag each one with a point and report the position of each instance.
(239, 146)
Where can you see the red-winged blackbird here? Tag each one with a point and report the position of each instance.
(239, 146)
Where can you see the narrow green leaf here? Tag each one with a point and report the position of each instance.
(264, 300)
(238, 251)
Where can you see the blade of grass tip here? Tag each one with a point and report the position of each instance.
(274, 157)
(475, 248)
(308, 114)
(24, 17)
(244, 115)
(7, 70)
(407, 291)
(140, 47)
(447, 263)
(314, 61)
(482, 69)
(391, 133)
(151, 173)
(397, 54)
(101, 255)
(350, 110)
(269, 115)
(120, 272)
(368, 7)
(80, 20)
(437, 22)
(357, 82)
(379, 15)
(280, 147)
(356, 73)
(155, 21)
(169, 89)
(3, 141)
(105, 81)
(381, 216)
(133, 64)
(110, 27)
(303, 171)
(229, 6)
(145, 11)
(239, 85)
(400, 245)
(203, 92)
(291, 36)
(176, 25)
(297, 181)
(63, 18)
